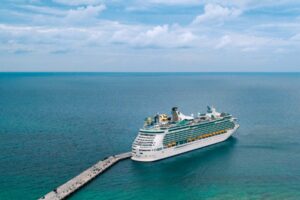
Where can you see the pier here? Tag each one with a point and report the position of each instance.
(86, 176)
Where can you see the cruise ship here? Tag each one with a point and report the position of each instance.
(163, 136)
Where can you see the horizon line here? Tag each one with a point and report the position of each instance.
(148, 72)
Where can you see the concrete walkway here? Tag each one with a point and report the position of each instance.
(86, 176)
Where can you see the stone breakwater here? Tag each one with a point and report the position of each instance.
(86, 176)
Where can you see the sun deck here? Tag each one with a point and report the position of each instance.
(161, 127)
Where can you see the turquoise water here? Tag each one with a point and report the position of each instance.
(53, 126)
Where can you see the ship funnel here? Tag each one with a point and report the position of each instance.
(156, 118)
(211, 109)
(211, 112)
(175, 116)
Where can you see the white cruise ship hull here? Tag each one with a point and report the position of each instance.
(176, 150)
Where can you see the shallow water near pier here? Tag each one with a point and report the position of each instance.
(55, 125)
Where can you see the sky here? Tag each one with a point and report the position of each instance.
(150, 35)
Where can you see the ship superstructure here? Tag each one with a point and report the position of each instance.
(163, 136)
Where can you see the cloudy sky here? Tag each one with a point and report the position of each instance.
(150, 35)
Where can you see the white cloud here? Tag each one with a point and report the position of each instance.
(109, 33)
(215, 12)
(44, 10)
(164, 36)
(248, 42)
(175, 2)
(44, 39)
(296, 37)
(139, 5)
(225, 40)
(157, 31)
(79, 2)
(84, 13)
(106, 33)
(68, 29)
(142, 5)
(77, 29)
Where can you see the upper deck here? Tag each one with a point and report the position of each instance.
(171, 125)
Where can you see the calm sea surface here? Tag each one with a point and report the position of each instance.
(53, 126)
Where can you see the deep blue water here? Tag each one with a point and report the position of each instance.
(54, 125)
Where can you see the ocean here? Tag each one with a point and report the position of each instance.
(55, 125)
